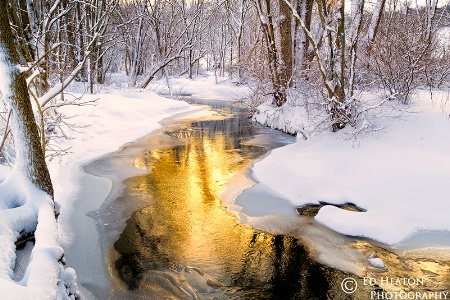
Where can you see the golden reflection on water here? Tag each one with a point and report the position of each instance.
(187, 215)
(186, 227)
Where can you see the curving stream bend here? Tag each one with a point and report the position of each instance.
(172, 227)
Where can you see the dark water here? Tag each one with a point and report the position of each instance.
(184, 244)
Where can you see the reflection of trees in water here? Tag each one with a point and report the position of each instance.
(270, 267)
(236, 128)
(187, 225)
(284, 271)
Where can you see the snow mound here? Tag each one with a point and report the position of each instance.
(32, 213)
(377, 263)
(399, 176)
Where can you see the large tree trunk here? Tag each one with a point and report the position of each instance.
(29, 156)
(355, 28)
(285, 44)
(340, 47)
(268, 29)
(302, 55)
(375, 21)
(338, 66)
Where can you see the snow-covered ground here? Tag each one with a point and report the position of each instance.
(118, 117)
(398, 175)
(202, 87)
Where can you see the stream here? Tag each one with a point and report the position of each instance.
(171, 227)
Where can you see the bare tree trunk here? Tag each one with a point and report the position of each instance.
(320, 63)
(375, 21)
(61, 62)
(431, 6)
(266, 20)
(20, 20)
(100, 65)
(190, 63)
(91, 56)
(29, 156)
(302, 57)
(81, 40)
(33, 27)
(137, 52)
(332, 69)
(340, 45)
(223, 47)
(355, 28)
(285, 44)
(239, 39)
(71, 38)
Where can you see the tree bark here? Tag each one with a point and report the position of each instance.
(355, 28)
(375, 21)
(285, 44)
(29, 157)
(302, 55)
(266, 20)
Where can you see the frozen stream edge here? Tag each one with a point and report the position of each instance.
(328, 247)
(91, 270)
(89, 194)
(96, 278)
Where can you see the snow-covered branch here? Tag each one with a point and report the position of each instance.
(58, 88)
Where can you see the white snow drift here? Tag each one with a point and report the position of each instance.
(400, 175)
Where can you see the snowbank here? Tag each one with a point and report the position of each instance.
(201, 87)
(118, 117)
(33, 211)
(288, 118)
(25, 212)
(400, 176)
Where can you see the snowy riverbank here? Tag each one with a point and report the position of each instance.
(399, 175)
(118, 117)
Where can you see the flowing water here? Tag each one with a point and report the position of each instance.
(183, 221)
(180, 241)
